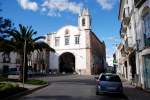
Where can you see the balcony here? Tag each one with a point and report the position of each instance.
(123, 30)
(122, 50)
(126, 17)
(139, 3)
(122, 34)
(128, 45)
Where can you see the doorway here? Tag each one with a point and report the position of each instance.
(67, 63)
(147, 70)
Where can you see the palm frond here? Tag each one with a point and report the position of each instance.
(38, 38)
(23, 34)
(42, 45)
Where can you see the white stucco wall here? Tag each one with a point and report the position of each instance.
(12, 63)
(72, 31)
(140, 36)
(78, 50)
(53, 63)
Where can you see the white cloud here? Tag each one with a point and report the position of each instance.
(26, 4)
(109, 61)
(56, 6)
(43, 9)
(53, 13)
(106, 4)
(113, 39)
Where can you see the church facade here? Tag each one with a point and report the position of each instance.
(77, 48)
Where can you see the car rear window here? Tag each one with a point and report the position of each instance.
(13, 69)
(112, 78)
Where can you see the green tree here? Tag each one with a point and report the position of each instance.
(24, 38)
(6, 26)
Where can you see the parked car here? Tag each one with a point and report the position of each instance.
(108, 83)
(13, 71)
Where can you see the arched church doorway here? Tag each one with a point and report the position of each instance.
(67, 62)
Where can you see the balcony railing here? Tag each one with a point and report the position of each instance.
(139, 3)
(126, 17)
(128, 45)
(123, 30)
(122, 34)
(123, 53)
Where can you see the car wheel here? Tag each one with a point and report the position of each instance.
(97, 93)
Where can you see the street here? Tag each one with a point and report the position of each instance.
(47, 39)
(70, 87)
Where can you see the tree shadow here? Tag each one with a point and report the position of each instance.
(65, 97)
(76, 81)
(59, 97)
(116, 96)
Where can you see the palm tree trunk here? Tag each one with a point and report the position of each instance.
(24, 68)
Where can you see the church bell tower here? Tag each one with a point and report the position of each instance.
(84, 20)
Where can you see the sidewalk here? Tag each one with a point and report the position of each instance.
(133, 93)
(30, 88)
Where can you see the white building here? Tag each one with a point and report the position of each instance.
(8, 60)
(135, 34)
(77, 48)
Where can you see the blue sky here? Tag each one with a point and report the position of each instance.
(49, 15)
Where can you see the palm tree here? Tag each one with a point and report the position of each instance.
(24, 37)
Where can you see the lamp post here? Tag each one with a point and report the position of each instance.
(24, 60)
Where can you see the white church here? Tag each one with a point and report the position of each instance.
(78, 49)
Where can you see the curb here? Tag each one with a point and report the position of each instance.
(138, 87)
(13, 97)
(141, 89)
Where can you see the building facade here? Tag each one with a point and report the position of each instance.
(77, 48)
(8, 60)
(38, 62)
(135, 46)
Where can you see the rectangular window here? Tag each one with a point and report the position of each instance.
(57, 41)
(67, 40)
(146, 19)
(77, 39)
(138, 3)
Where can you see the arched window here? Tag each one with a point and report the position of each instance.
(83, 22)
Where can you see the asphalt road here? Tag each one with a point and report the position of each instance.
(70, 87)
